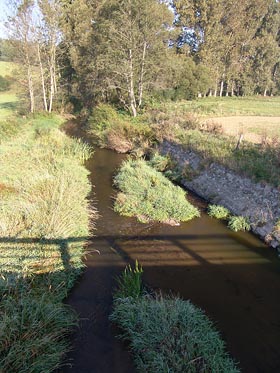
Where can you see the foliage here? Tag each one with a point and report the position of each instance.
(120, 132)
(44, 220)
(148, 195)
(5, 84)
(170, 335)
(130, 282)
(239, 223)
(218, 212)
(159, 162)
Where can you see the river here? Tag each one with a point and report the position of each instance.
(234, 277)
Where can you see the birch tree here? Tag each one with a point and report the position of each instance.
(20, 28)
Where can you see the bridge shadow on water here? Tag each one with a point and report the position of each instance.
(238, 287)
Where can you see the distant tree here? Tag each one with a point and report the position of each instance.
(21, 32)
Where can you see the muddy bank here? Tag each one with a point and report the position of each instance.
(259, 202)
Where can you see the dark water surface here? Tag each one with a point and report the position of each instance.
(234, 277)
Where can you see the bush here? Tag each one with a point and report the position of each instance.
(171, 335)
(150, 196)
(218, 212)
(239, 223)
(109, 129)
(5, 84)
(160, 162)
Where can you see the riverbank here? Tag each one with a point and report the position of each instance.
(259, 202)
(45, 220)
(243, 177)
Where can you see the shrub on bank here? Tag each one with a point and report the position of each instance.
(239, 223)
(109, 129)
(218, 212)
(150, 196)
(44, 222)
(170, 335)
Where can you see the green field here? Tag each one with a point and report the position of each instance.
(8, 104)
(227, 106)
(7, 68)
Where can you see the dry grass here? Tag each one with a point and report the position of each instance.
(256, 129)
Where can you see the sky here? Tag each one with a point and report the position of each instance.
(4, 10)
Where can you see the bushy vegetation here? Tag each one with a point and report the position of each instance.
(149, 195)
(218, 212)
(44, 220)
(235, 223)
(169, 334)
(239, 223)
(110, 129)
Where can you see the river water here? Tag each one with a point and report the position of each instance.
(234, 277)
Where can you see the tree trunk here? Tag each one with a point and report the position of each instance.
(265, 92)
(222, 88)
(131, 85)
(30, 84)
(42, 79)
(140, 85)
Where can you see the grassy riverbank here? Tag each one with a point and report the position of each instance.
(44, 224)
(150, 196)
(257, 161)
(167, 334)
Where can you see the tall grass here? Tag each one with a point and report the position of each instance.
(44, 222)
(260, 163)
(168, 334)
(150, 196)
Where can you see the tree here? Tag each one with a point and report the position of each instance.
(21, 30)
(115, 48)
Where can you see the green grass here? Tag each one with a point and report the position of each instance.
(169, 334)
(239, 223)
(226, 106)
(218, 212)
(7, 68)
(260, 163)
(150, 196)
(44, 220)
(8, 105)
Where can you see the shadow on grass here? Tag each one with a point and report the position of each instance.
(8, 105)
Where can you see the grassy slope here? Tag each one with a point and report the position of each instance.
(8, 99)
(44, 220)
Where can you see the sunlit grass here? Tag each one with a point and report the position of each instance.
(150, 196)
(8, 104)
(167, 334)
(227, 106)
(44, 222)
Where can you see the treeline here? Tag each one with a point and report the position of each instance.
(74, 54)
